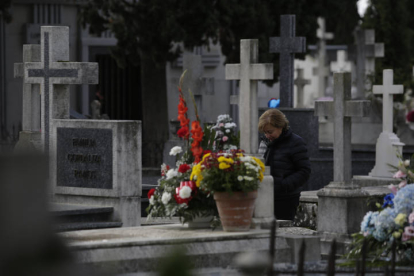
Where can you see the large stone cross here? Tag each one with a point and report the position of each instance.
(388, 144)
(365, 51)
(31, 92)
(341, 65)
(195, 81)
(300, 83)
(322, 71)
(342, 109)
(248, 72)
(287, 45)
(54, 72)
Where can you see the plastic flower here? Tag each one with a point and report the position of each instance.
(185, 192)
(166, 197)
(384, 225)
(368, 223)
(400, 219)
(176, 150)
(403, 202)
(151, 193)
(399, 174)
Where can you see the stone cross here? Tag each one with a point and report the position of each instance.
(195, 81)
(248, 72)
(364, 52)
(54, 72)
(342, 109)
(300, 83)
(388, 144)
(31, 92)
(322, 71)
(341, 65)
(287, 45)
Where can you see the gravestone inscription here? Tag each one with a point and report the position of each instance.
(84, 158)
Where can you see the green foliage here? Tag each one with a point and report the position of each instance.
(175, 263)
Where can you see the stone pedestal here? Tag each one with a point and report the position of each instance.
(264, 207)
(388, 145)
(341, 210)
(29, 141)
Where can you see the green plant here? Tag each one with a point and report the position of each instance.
(228, 171)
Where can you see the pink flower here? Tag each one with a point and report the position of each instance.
(393, 189)
(399, 174)
(402, 184)
(408, 233)
(225, 138)
(221, 125)
(411, 218)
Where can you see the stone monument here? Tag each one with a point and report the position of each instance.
(388, 144)
(287, 45)
(300, 83)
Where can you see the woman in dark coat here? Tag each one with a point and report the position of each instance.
(287, 155)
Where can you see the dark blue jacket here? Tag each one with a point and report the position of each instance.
(289, 164)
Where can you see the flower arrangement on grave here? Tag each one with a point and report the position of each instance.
(225, 138)
(228, 172)
(233, 179)
(392, 223)
(177, 194)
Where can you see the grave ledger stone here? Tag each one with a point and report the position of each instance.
(341, 204)
(248, 72)
(287, 45)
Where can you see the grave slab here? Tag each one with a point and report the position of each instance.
(98, 162)
(138, 249)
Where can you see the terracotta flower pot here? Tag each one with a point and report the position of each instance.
(235, 210)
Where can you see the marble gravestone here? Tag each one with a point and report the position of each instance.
(388, 144)
(91, 162)
(342, 204)
(29, 137)
(300, 83)
(249, 72)
(341, 64)
(54, 73)
(322, 71)
(364, 53)
(287, 45)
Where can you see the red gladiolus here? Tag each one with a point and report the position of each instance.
(151, 193)
(183, 132)
(197, 135)
(184, 168)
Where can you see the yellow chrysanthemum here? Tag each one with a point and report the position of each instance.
(199, 179)
(196, 172)
(260, 176)
(260, 163)
(223, 166)
(222, 159)
(205, 156)
(239, 154)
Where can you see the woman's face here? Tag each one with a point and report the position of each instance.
(272, 132)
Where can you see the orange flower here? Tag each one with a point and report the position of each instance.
(184, 121)
(197, 135)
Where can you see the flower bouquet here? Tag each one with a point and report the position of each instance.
(177, 194)
(392, 224)
(233, 179)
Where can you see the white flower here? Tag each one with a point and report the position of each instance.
(152, 200)
(185, 192)
(176, 150)
(248, 178)
(227, 130)
(165, 198)
(223, 117)
(232, 147)
(229, 125)
(171, 173)
(407, 163)
(240, 178)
